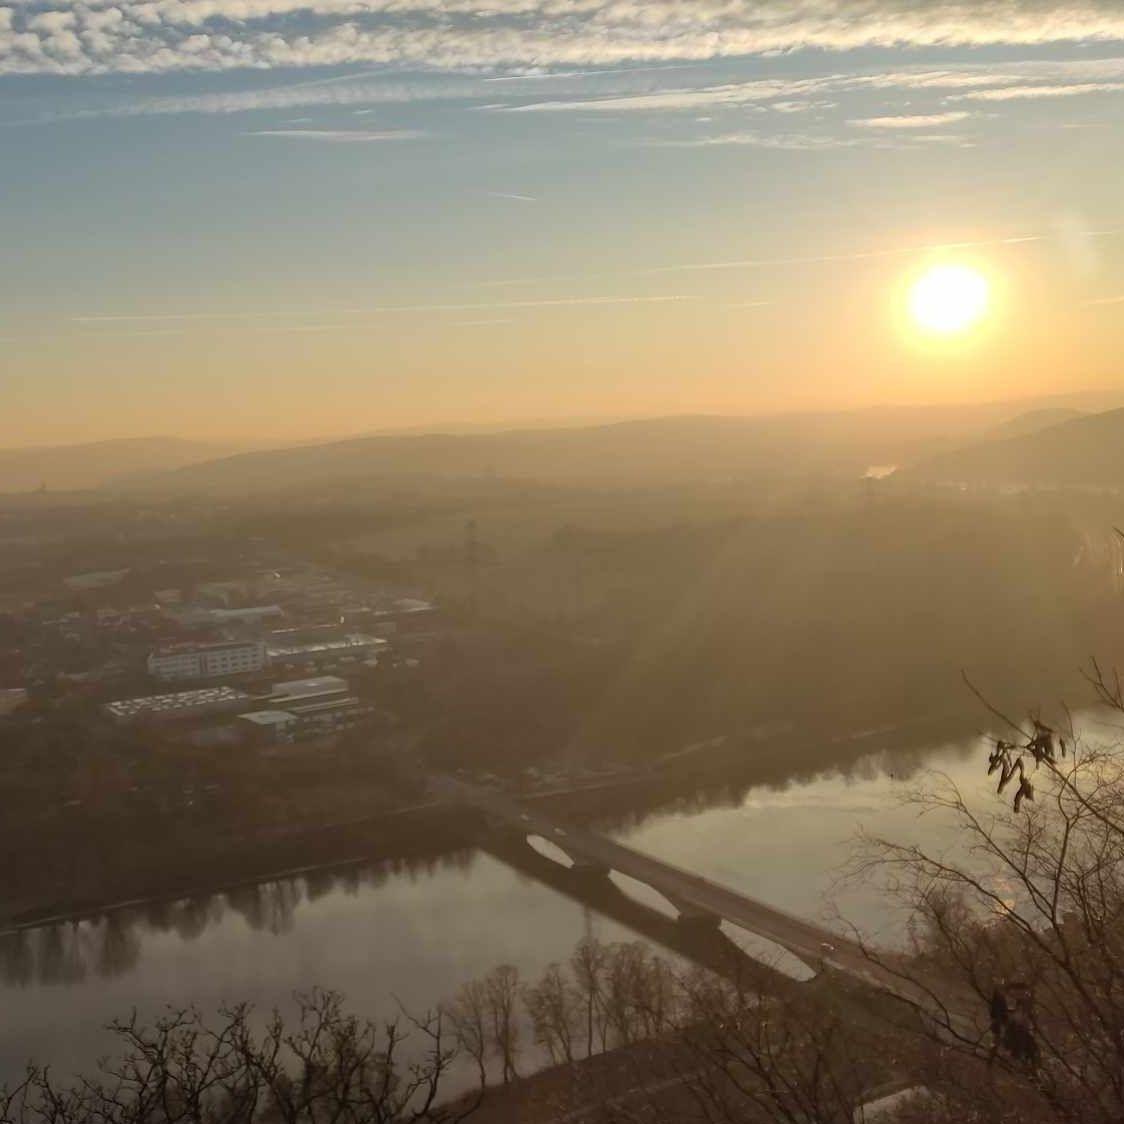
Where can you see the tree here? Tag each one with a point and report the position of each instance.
(485, 1017)
(1019, 958)
(803, 1056)
(328, 1066)
(588, 966)
(469, 1015)
(553, 1005)
(502, 990)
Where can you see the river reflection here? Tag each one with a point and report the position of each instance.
(108, 945)
(414, 931)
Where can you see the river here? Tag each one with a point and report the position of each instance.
(414, 932)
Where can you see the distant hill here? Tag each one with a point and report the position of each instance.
(1034, 421)
(1086, 451)
(650, 452)
(91, 465)
(655, 451)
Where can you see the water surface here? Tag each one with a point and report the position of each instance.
(414, 932)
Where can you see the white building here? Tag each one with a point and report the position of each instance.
(207, 661)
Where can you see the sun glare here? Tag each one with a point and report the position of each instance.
(949, 299)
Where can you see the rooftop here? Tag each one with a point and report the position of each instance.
(177, 702)
(302, 688)
(352, 642)
(187, 647)
(326, 706)
(268, 717)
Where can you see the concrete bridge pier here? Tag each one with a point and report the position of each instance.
(505, 834)
(594, 872)
(694, 916)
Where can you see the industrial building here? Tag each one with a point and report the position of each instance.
(203, 616)
(323, 651)
(207, 661)
(304, 708)
(268, 727)
(179, 706)
(303, 692)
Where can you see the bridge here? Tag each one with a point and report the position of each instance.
(697, 900)
(704, 945)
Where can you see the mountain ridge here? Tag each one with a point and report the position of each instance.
(1086, 451)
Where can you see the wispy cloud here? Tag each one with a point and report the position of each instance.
(340, 136)
(866, 255)
(910, 121)
(512, 195)
(552, 302)
(132, 333)
(608, 91)
(813, 259)
(343, 316)
(800, 106)
(1010, 82)
(738, 93)
(793, 142)
(878, 136)
(540, 75)
(1023, 93)
(156, 316)
(357, 91)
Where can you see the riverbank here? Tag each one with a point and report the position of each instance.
(423, 831)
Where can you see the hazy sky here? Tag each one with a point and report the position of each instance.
(295, 217)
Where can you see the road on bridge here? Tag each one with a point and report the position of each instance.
(692, 895)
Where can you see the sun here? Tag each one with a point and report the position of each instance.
(949, 299)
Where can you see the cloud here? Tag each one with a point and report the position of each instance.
(1108, 300)
(553, 302)
(818, 259)
(869, 255)
(677, 99)
(1020, 93)
(794, 94)
(340, 136)
(158, 36)
(602, 93)
(512, 195)
(912, 121)
(820, 142)
(800, 106)
(357, 90)
(791, 142)
(383, 309)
